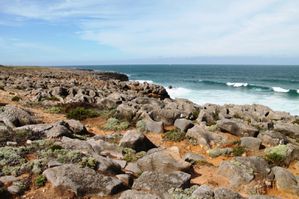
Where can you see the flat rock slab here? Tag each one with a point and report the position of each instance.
(156, 182)
(82, 181)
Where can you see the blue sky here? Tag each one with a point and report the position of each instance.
(66, 32)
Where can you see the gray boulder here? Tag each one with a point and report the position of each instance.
(272, 138)
(161, 182)
(193, 158)
(203, 137)
(163, 160)
(203, 192)
(242, 170)
(153, 126)
(223, 193)
(136, 140)
(285, 180)
(82, 181)
(133, 194)
(183, 124)
(288, 129)
(58, 130)
(237, 127)
(216, 152)
(251, 143)
(13, 116)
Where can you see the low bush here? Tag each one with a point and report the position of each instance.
(130, 155)
(174, 135)
(54, 110)
(114, 124)
(80, 113)
(141, 126)
(40, 181)
(238, 150)
(276, 155)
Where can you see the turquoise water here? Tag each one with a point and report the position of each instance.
(274, 86)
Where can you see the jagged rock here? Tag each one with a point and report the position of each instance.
(136, 140)
(288, 129)
(82, 181)
(272, 138)
(76, 127)
(193, 158)
(203, 137)
(13, 116)
(242, 170)
(223, 193)
(160, 183)
(163, 160)
(58, 130)
(251, 143)
(153, 126)
(125, 179)
(183, 124)
(133, 194)
(237, 128)
(203, 192)
(285, 180)
(133, 168)
(209, 114)
(126, 112)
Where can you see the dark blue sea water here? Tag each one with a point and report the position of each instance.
(274, 86)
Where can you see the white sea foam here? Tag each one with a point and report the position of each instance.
(179, 92)
(298, 91)
(143, 81)
(280, 90)
(237, 84)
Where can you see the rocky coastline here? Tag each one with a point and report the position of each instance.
(67, 133)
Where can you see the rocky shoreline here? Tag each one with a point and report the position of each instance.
(84, 134)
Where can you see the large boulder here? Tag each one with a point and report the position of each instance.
(288, 129)
(272, 138)
(183, 124)
(160, 183)
(153, 126)
(82, 181)
(237, 127)
(251, 143)
(13, 116)
(163, 160)
(136, 140)
(285, 180)
(242, 170)
(203, 137)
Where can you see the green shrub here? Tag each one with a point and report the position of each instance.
(89, 162)
(179, 193)
(107, 113)
(238, 150)
(276, 155)
(130, 155)
(40, 181)
(174, 135)
(54, 110)
(116, 125)
(80, 113)
(15, 98)
(141, 126)
(22, 135)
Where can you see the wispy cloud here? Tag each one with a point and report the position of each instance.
(174, 28)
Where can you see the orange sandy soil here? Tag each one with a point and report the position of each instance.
(202, 174)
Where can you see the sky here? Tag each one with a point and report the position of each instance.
(78, 32)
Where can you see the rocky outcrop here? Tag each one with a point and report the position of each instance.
(237, 127)
(82, 181)
(136, 140)
(285, 180)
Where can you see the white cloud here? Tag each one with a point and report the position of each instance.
(169, 28)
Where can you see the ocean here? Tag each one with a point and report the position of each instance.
(273, 86)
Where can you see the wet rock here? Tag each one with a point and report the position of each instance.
(285, 180)
(183, 124)
(163, 160)
(251, 143)
(136, 140)
(161, 182)
(82, 181)
(236, 127)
